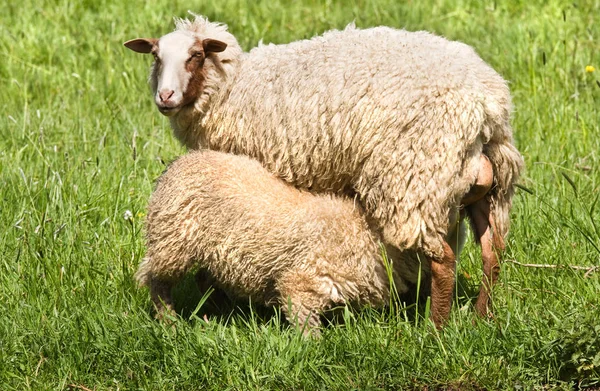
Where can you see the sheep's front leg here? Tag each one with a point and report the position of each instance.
(302, 297)
(442, 285)
(483, 224)
(305, 318)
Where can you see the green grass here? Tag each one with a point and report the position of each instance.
(81, 143)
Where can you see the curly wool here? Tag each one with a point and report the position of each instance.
(258, 237)
(399, 118)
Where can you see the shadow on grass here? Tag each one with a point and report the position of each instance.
(220, 307)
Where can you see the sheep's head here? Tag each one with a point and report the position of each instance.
(178, 72)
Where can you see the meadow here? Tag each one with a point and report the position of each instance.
(81, 145)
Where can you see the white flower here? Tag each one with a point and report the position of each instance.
(128, 215)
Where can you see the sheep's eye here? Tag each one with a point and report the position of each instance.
(196, 55)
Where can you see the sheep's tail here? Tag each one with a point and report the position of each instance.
(143, 276)
(507, 164)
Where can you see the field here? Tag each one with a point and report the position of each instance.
(81, 145)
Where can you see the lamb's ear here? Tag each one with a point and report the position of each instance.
(213, 46)
(141, 45)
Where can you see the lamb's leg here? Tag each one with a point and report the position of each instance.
(160, 292)
(301, 301)
(301, 316)
(483, 224)
(442, 285)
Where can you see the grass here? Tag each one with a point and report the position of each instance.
(81, 144)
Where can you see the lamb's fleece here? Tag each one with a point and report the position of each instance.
(399, 118)
(257, 236)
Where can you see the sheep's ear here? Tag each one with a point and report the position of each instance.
(141, 45)
(213, 46)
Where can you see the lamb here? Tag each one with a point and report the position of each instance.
(256, 236)
(409, 122)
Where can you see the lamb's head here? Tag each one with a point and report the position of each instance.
(179, 72)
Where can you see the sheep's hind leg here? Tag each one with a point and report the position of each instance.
(483, 224)
(442, 286)
(479, 209)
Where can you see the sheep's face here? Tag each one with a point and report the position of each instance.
(178, 72)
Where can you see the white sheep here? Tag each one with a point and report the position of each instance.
(255, 236)
(399, 118)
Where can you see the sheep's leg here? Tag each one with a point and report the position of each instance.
(483, 224)
(479, 209)
(301, 316)
(301, 300)
(442, 285)
(160, 292)
(298, 313)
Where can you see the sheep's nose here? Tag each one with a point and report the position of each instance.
(165, 95)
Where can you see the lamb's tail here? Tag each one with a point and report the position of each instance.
(507, 164)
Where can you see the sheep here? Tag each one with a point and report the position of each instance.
(255, 236)
(407, 121)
